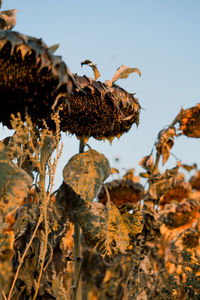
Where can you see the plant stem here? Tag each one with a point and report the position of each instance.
(77, 263)
(77, 249)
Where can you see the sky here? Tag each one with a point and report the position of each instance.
(160, 37)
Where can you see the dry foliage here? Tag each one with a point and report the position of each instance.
(136, 242)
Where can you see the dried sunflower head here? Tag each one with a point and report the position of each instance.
(31, 78)
(98, 110)
(183, 214)
(178, 192)
(189, 120)
(122, 191)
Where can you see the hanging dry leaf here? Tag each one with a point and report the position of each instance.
(124, 72)
(8, 19)
(165, 142)
(147, 163)
(53, 48)
(114, 171)
(189, 167)
(93, 66)
(85, 173)
(160, 184)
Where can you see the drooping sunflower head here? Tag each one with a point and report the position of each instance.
(99, 110)
(31, 78)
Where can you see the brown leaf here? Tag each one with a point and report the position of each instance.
(147, 163)
(124, 72)
(53, 48)
(160, 184)
(114, 171)
(189, 167)
(93, 66)
(8, 19)
(165, 142)
(85, 173)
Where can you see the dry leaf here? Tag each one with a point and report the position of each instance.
(160, 184)
(53, 48)
(114, 171)
(124, 72)
(8, 19)
(93, 66)
(147, 163)
(85, 173)
(165, 142)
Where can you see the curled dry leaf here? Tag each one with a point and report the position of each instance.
(93, 66)
(165, 142)
(123, 72)
(189, 167)
(32, 79)
(53, 48)
(160, 184)
(85, 173)
(99, 111)
(114, 171)
(189, 120)
(7, 19)
(147, 163)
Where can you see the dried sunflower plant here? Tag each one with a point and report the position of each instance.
(40, 99)
(88, 239)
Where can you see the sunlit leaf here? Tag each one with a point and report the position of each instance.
(93, 66)
(147, 163)
(189, 167)
(53, 48)
(124, 72)
(85, 173)
(114, 171)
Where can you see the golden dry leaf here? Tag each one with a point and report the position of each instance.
(114, 171)
(85, 173)
(124, 72)
(53, 48)
(14, 183)
(189, 167)
(8, 19)
(118, 229)
(93, 66)
(147, 163)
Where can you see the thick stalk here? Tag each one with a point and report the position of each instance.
(77, 250)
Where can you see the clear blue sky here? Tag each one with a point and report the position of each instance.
(160, 37)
